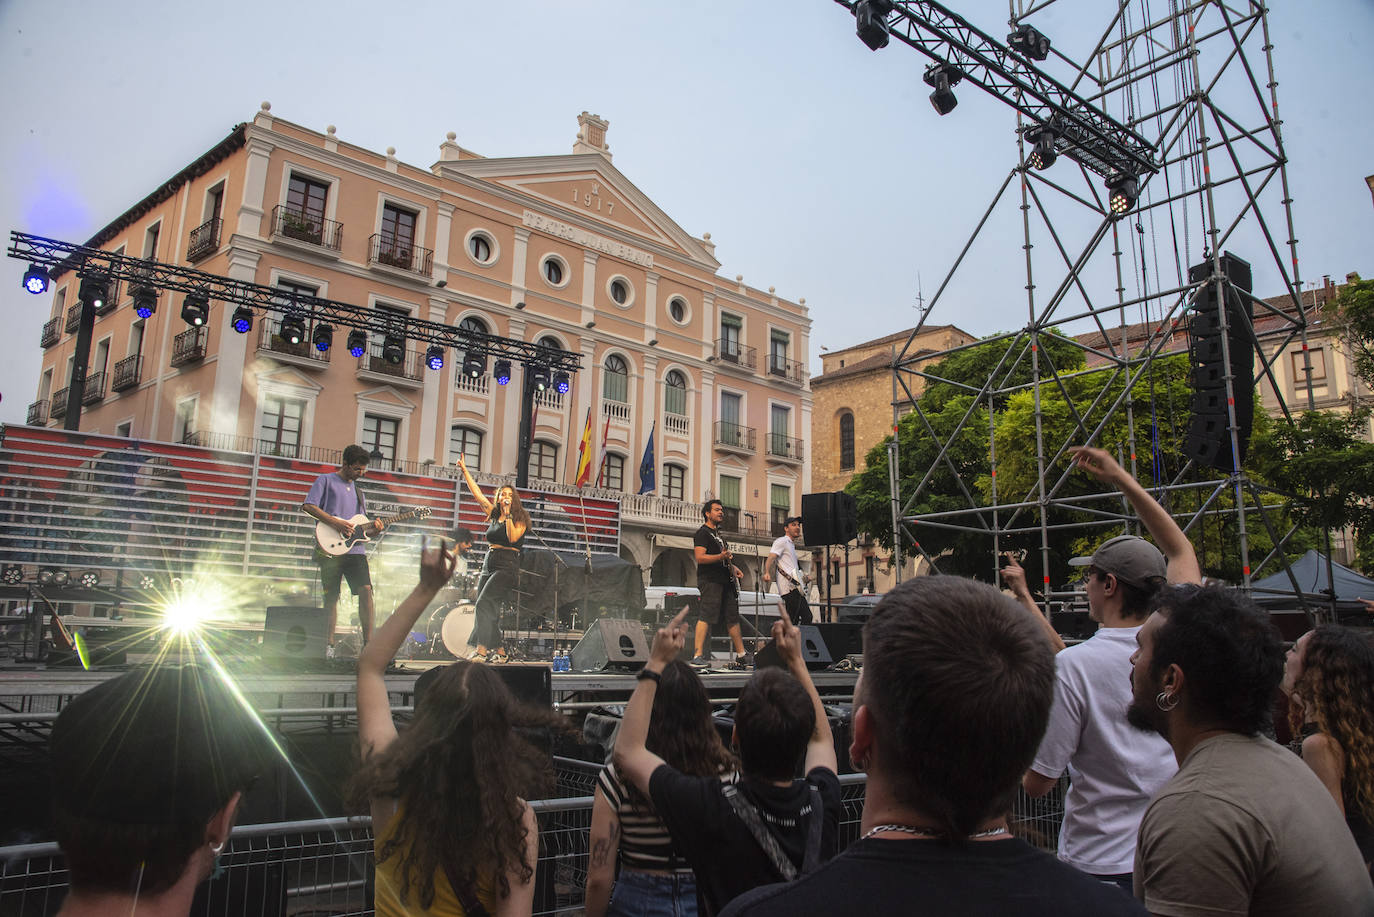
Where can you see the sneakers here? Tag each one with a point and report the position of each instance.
(746, 661)
(700, 662)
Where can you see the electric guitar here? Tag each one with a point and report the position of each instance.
(729, 567)
(333, 542)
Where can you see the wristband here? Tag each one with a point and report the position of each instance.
(648, 675)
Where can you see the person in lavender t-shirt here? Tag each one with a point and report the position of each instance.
(334, 499)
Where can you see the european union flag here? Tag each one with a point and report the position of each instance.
(647, 482)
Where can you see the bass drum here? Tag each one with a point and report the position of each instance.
(449, 627)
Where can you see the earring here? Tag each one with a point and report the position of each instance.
(1166, 701)
(217, 849)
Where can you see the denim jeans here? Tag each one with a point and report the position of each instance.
(644, 894)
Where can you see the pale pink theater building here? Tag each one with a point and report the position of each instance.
(562, 249)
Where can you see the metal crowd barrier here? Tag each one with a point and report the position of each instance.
(324, 867)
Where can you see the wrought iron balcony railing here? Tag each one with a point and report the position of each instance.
(410, 368)
(271, 341)
(790, 370)
(58, 408)
(38, 413)
(204, 240)
(784, 447)
(306, 226)
(126, 373)
(731, 352)
(52, 332)
(734, 436)
(73, 319)
(189, 346)
(400, 254)
(94, 389)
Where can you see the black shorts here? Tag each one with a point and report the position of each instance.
(350, 566)
(718, 602)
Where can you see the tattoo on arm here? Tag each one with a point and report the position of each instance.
(604, 849)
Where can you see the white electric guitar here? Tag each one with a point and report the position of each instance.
(333, 542)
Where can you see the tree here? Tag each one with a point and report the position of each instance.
(1351, 315)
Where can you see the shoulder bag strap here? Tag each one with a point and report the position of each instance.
(812, 859)
(754, 822)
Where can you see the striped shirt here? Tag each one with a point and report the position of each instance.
(644, 841)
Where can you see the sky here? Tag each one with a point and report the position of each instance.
(818, 167)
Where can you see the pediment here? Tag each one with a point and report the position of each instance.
(732, 463)
(281, 376)
(386, 396)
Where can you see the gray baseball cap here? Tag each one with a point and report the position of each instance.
(1130, 559)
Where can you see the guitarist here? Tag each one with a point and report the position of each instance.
(333, 499)
(718, 581)
(782, 558)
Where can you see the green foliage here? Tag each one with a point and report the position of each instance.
(1351, 314)
(1322, 460)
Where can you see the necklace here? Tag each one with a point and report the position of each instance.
(914, 831)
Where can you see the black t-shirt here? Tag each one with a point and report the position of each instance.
(713, 571)
(723, 853)
(927, 876)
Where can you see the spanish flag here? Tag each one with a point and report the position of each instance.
(584, 454)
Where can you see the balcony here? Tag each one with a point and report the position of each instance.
(549, 399)
(789, 370)
(473, 385)
(59, 404)
(677, 424)
(204, 240)
(730, 352)
(38, 413)
(126, 373)
(616, 410)
(73, 319)
(51, 332)
(94, 389)
(271, 343)
(733, 436)
(233, 442)
(388, 251)
(189, 346)
(374, 367)
(788, 448)
(306, 227)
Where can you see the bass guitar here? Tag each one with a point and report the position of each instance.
(333, 542)
(729, 567)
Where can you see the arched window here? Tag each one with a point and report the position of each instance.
(543, 460)
(467, 442)
(473, 324)
(613, 472)
(675, 393)
(615, 383)
(846, 441)
(549, 342)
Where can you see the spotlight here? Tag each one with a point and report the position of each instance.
(242, 320)
(357, 342)
(474, 364)
(145, 301)
(539, 377)
(1028, 42)
(393, 349)
(36, 279)
(61, 578)
(502, 372)
(322, 338)
(195, 310)
(434, 357)
(1044, 154)
(146, 581)
(561, 382)
(292, 330)
(943, 77)
(1122, 191)
(94, 289)
(12, 575)
(88, 579)
(870, 18)
(45, 576)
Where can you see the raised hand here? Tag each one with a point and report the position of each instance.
(787, 640)
(1014, 575)
(436, 564)
(1099, 463)
(670, 638)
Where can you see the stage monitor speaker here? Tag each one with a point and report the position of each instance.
(611, 643)
(814, 651)
(294, 633)
(845, 638)
(531, 684)
(829, 518)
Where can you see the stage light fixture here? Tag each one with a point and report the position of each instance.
(89, 579)
(434, 357)
(61, 578)
(36, 279)
(561, 382)
(94, 288)
(943, 78)
(1122, 192)
(145, 301)
(195, 310)
(870, 22)
(1029, 42)
(45, 576)
(393, 349)
(323, 338)
(242, 320)
(12, 575)
(502, 372)
(146, 581)
(292, 330)
(1043, 153)
(357, 342)
(539, 377)
(474, 364)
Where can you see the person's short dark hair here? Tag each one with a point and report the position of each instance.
(1229, 651)
(959, 681)
(353, 455)
(706, 507)
(463, 535)
(139, 766)
(774, 720)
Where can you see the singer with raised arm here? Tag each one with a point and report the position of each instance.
(718, 582)
(508, 521)
(335, 500)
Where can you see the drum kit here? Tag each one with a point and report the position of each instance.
(451, 622)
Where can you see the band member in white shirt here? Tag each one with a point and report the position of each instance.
(782, 562)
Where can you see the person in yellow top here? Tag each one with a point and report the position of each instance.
(453, 832)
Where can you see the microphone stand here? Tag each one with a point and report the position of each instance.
(557, 563)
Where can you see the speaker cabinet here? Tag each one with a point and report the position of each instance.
(829, 518)
(845, 638)
(611, 643)
(294, 633)
(814, 651)
(1208, 439)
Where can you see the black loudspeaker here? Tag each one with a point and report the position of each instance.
(531, 684)
(611, 643)
(829, 518)
(294, 633)
(815, 653)
(845, 638)
(1208, 440)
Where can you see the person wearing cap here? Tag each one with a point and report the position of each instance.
(1114, 769)
(148, 770)
(782, 560)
